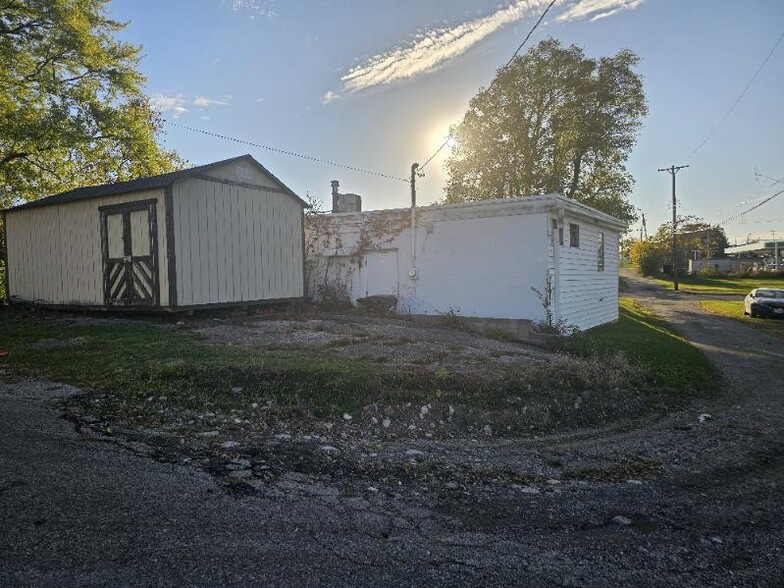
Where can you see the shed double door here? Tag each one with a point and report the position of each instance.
(129, 244)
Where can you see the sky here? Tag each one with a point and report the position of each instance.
(376, 85)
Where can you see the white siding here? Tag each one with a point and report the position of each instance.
(479, 259)
(54, 252)
(588, 297)
(483, 266)
(235, 243)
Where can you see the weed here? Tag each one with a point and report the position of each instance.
(551, 326)
(452, 319)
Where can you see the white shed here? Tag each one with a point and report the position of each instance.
(221, 234)
(511, 258)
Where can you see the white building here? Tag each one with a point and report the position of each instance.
(512, 258)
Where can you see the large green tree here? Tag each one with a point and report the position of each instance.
(552, 121)
(72, 111)
(696, 239)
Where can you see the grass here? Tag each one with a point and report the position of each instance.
(624, 368)
(734, 309)
(669, 362)
(701, 285)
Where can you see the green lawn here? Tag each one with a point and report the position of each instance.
(732, 309)
(700, 285)
(670, 362)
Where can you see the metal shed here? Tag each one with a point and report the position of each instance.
(221, 234)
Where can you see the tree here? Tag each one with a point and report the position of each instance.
(553, 121)
(647, 257)
(71, 107)
(696, 238)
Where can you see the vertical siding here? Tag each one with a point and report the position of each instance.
(250, 174)
(236, 244)
(54, 252)
(588, 297)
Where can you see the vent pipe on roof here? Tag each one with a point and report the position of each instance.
(335, 184)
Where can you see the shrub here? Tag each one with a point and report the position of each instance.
(710, 272)
(647, 257)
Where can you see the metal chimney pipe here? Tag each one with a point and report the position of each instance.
(335, 184)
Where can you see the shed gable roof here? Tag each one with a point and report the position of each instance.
(150, 183)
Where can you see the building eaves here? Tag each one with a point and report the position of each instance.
(146, 183)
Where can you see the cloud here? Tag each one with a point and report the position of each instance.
(264, 8)
(431, 49)
(596, 9)
(164, 104)
(204, 102)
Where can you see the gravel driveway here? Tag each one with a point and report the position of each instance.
(691, 499)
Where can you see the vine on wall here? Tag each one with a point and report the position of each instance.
(335, 248)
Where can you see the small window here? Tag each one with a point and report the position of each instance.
(600, 264)
(574, 235)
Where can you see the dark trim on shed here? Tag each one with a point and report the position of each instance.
(4, 242)
(171, 257)
(154, 310)
(130, 206)
(152, 183)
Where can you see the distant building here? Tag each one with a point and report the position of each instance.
(722, 264)
(767, 255)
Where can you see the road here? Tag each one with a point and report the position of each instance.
(81, 510)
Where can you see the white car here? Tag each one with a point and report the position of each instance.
(764, 302)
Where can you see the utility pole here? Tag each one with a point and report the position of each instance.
(412, 273)
(672, 170)
(644, 228)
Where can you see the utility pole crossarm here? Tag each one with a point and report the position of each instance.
(672, 170)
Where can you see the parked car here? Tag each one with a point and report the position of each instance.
(764, 302)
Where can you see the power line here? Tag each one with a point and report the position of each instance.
(517, 51)
(531, 32)
(740, 96)
(285, 152)
(444, 144)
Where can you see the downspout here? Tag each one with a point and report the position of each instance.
(560, 213)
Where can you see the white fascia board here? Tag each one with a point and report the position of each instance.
(536, 204)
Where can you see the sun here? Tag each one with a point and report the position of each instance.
(440, 139)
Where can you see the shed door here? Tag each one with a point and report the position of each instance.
(129, 245)
(381, 272)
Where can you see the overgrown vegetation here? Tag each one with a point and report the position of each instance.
(670, 364)
(616, 371)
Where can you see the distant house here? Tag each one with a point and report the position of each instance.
(720, 264)
(221, 234)
(512, 258)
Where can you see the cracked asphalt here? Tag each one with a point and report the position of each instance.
(83, 510)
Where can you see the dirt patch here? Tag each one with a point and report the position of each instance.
(387, 340)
